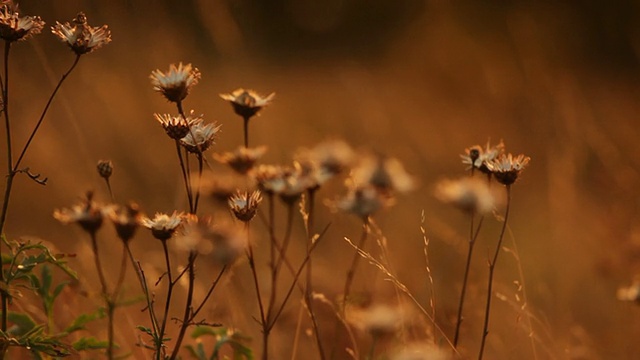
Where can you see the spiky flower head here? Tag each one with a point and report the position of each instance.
(363, 201)
(88, 214)
(387, 174)
(14, 27)
(163, 226)
(469, 194)
(177, 127)
(247, 103)
(325, 160)
(126, 220)
(105, 168)
(289, 183)
(176, 83)
(81, 37)
(507, 168)
(224, 242)
(244, 205)
(243, 159)
(478, 158)
(200, 137)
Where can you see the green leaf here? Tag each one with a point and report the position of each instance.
(22, 324)
(80, 322)
(89, 343)
(198, 352)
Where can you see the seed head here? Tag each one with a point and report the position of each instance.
(14, 27)
(384, 173)
(247, 103)
(507, 168)
(176, 83)
(224, 242)
(125, 219)
(324, 161)
(177, 127)
(244, 205)
(478, 158)
(88, 214)
(470, 195)
(242, 159)
(81, 37)
(163, 226)
(363, 201)
(105, 168)
(200, 137)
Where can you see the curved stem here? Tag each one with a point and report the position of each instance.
(211, 288)
(354, 264)
(276, 269)
(187, 308)
(44, 112)
(167, 304)
(492, 266)
(200, 163)
(472, 240)
(185, 176)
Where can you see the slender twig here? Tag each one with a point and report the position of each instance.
(167, 304)
(10, 175)
(492, 266)
(308, 294)
(187, 308)
(473, 235)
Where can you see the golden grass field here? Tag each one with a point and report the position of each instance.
(417, 80)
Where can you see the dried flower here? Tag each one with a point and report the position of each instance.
(81, 37)
(477, 158)
(507, 168)
(125, 219)
(376, 320)
(470, 195)
(176, 83)
(631, 293)
(163, 226)
(177, 127)
(221, 186)
(363, 201)
(324, 161)
(105, 168)
(200, 137)
(88, 214)
(224, 242)
(247, 103)
(245, 205)
(242, 159)
(14, 27)
(385, 173)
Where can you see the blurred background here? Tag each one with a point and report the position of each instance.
(418, 80)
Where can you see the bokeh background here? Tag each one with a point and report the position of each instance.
(418, 80)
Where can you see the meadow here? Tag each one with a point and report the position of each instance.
(417, 81)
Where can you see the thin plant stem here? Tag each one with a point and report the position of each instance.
(105, 292)
(275, 271)
(354, 264)
(187, 308)
(256, 283)
(200, 165)
(492, 266)
(372, 349)
(121, 275)
(308, 293)
(211, 288)
(246, 131)
(165, 313)
(10, 176)
(185, 176)
(473, 235)
(44, 112)
(113, 199)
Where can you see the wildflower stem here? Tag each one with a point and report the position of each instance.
(246, 131)
(354, 263)
(188, 309)
(492, 266)
(44, 112)
(123, 271)
(263, 318)
(10, 175)
(276, 269)
(211, 288)
(105, 292)
(308, 293)
(185, 176)
(200, 163)
(165, 314)
(473, 235)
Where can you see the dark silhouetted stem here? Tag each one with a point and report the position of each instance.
(211, 288)
(492, 266)
(308, 294)
(185, 176)
(167, 304)
(10, 175)
(246, 131)
(187, 308)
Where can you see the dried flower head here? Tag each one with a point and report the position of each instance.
(363, 201)
(125, 219)
(385, 173)
(507, 168)
(421, 351)
(200, 137)
(242, 159)
(324, 161)
(14, 27)
(224, 242)
(244, 205)
(269, 178)
(287, 182)
(176, 83)
(630, 293)
(376, 320)
(477, 158)
(222, 186)
(470, 195)
(105, 168)
(177, 127)
(81, 37)
(88, 214)
(163, 226)
(247, 103)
